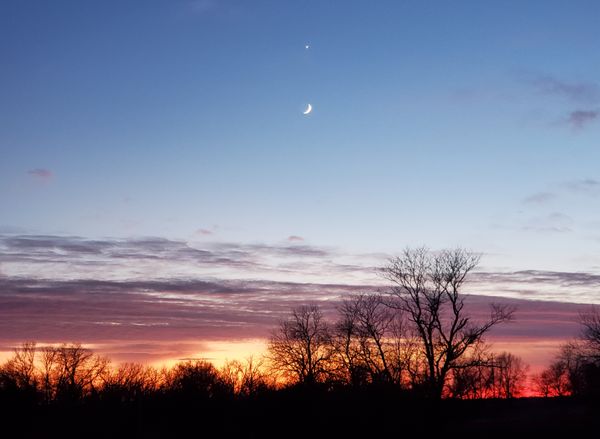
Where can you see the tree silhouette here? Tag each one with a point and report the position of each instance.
(246, 378)
(427, 287)
(197, 379)
(370, 341)
(130, 381)
(300, 348)
(22, 368)
(576, 369)
(510, 374)
(75, 371)
(590, 334)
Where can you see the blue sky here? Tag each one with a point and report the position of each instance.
(438, 123)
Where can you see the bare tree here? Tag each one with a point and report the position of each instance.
(553, 381)
(71, 371)
(371, 341)
(349, 364)
(300, 348)
(130, 380)
(510, 375)
(590, 333)
(475, 376)
(197, 378)
(48, 373)
(22, 368)
(246, 378)
(427, 287)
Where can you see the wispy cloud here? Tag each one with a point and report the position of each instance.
(61, 256)
(584, 186)
(541, 278)
(540, 198)
(580, 118)
(204, 232)
(41, 174)
(295, 238)
(581, 94)
(574, 91)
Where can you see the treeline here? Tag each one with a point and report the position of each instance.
(70, 373)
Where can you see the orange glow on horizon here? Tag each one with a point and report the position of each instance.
(219, 352)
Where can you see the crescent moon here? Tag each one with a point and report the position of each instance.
(308, 109)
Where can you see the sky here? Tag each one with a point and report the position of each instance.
(156, 153)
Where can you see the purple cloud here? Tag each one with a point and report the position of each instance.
(580, 118)
(205, 232)
(41, 173)
(573, 91)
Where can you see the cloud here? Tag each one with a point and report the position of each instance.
(584, 186)
(176, 309)
(204, 232)
(295, 238)
(582, 281)
(575, 92)
(41, 174)
(580, 118)
(579, 92)
(61, 256)
(540, 198)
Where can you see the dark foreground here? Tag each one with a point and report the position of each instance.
(300, 414)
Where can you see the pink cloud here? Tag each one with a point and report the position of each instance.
(295, 238)
(41, 173)
(204, 232)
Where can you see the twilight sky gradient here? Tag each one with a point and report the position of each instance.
(160, 187)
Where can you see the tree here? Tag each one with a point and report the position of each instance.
(590, 334)
(197, 379)
(576, 369)
(510, 375)
(428, 288)
(21, 367)
(129, 381)
(494, 376)
(553, 381)
(71, 371)
(245, 378)
(370, 341)
(300, 348)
